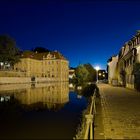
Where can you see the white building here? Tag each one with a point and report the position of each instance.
(128, 56)
(120, 67)
(112, 70)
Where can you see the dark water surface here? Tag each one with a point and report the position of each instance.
(42, 111)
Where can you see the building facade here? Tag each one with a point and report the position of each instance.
(51, 65)
(113, 70)
(128, 56)
(102, 75)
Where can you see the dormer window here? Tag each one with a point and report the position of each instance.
(49, 56)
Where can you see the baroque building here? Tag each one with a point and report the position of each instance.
(52, 65)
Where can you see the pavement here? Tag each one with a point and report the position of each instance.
(118, 113)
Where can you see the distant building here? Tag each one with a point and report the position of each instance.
(102, 75)
(52, 65)
(112, 70)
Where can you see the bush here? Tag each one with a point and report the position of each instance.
(89, 90)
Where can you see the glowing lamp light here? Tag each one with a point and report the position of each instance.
(97, 68)
(100, 74)
(1, 63)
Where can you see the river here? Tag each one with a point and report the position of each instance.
(40, 111)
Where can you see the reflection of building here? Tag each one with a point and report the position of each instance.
(112, 70)
(51, 65)
(124, 63)
(51, 95)
(71, 73)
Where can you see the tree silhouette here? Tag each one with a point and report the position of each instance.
(40, 49)
(9, 53)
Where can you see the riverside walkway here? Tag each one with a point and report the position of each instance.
(118, 115)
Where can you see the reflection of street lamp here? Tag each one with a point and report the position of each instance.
(1, 65)
(97, 68)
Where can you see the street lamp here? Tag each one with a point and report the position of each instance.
(97, 68)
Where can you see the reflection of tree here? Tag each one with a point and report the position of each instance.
(88, 90)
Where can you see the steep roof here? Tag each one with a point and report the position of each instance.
(40, 56)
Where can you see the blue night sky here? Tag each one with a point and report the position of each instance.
(84, 31)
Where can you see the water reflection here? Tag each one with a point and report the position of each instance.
(52, 95)
(40, 111)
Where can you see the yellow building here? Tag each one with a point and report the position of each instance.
(51, 65)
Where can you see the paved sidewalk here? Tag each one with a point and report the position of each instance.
(118, 115)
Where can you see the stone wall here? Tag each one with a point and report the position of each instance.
(25, 86)
(19, 80)
(14, 80)
(10, 73)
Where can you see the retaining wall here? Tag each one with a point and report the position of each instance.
(19, 80)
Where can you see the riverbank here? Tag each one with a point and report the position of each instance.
(21, 80)
(21, 86)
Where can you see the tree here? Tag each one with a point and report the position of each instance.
(9, 53)
(136, 72)
(81, 74)
(91, 72)
(40, 50)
